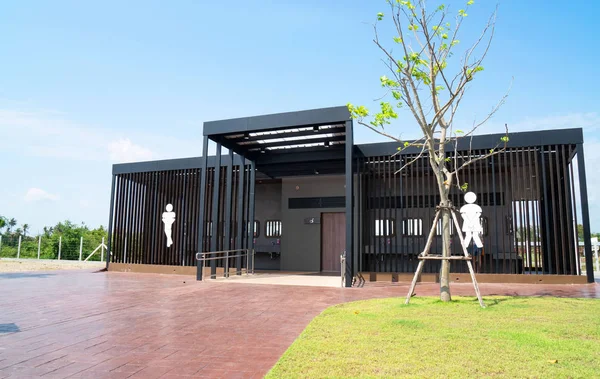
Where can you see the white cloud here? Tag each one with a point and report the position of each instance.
(123, 150)
(51, 134)
(37, 194)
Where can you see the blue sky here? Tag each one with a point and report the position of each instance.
(84, 85)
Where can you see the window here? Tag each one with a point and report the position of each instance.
(412, 227)
(273, 229)
(256, 229)
(439, 227)
(385, 228)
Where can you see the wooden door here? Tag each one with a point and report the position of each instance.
(333, 240)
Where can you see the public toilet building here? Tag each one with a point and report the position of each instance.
(295, 192)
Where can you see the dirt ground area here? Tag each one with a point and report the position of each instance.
(24, 265)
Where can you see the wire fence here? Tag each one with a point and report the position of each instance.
(53, 247)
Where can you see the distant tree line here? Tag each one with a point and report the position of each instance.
(65, 236)
(535, 235)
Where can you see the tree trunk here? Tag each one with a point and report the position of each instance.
(446, 239)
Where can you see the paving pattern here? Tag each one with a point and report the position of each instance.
(125, 325)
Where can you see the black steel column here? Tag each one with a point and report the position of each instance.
(228, 201)
(349, 202)
(201, 224)
(216, 201)
(252, 202)
(110, 220)
(240, 213)
(585, 214)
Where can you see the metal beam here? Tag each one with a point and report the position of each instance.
(166, 165)
(313, 117)
(349, 206)
(585, 214)
(486, 142)
(201, 225)
(294, 143)
(291, 134)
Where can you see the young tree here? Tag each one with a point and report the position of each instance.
(430, 80)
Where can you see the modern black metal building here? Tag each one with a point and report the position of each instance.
(295, 190)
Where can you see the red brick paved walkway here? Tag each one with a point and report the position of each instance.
(117, 325)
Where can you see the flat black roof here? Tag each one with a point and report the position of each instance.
(331, 160)
(260, 137)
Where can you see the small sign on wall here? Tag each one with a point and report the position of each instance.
(312, 220)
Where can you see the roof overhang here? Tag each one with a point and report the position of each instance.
(280, 143)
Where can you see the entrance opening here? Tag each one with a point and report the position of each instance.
(333, 241)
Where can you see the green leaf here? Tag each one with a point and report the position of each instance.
(462, 13)
(444, 36)
(465, 186)
(455, 42)
(441, 7)
(448, 159)
(459, 132)
(357, 112)
(491, 151)
(504, 139)
(406, 144)
(379, 16)
(470, 2)
(397, 39)
(397, 95)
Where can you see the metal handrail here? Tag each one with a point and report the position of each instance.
(203, 257)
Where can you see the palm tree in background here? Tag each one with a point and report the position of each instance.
(25, 229)
(11, 224)
(2, 223)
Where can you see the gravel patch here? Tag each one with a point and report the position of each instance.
(24, 265)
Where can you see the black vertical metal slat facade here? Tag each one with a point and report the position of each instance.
(534, 184)
(585, 214)
(572, 254)
(560, 213)
(546, 229)
(532, 245)
(491, 202)
(136, 219)
(111, 215)
(554, 212)
(119, 234)
(575, 242)
(509, 224)
(539, 183)
(495, 222)
(202, 208)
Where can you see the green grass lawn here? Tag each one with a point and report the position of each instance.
(512, 337)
